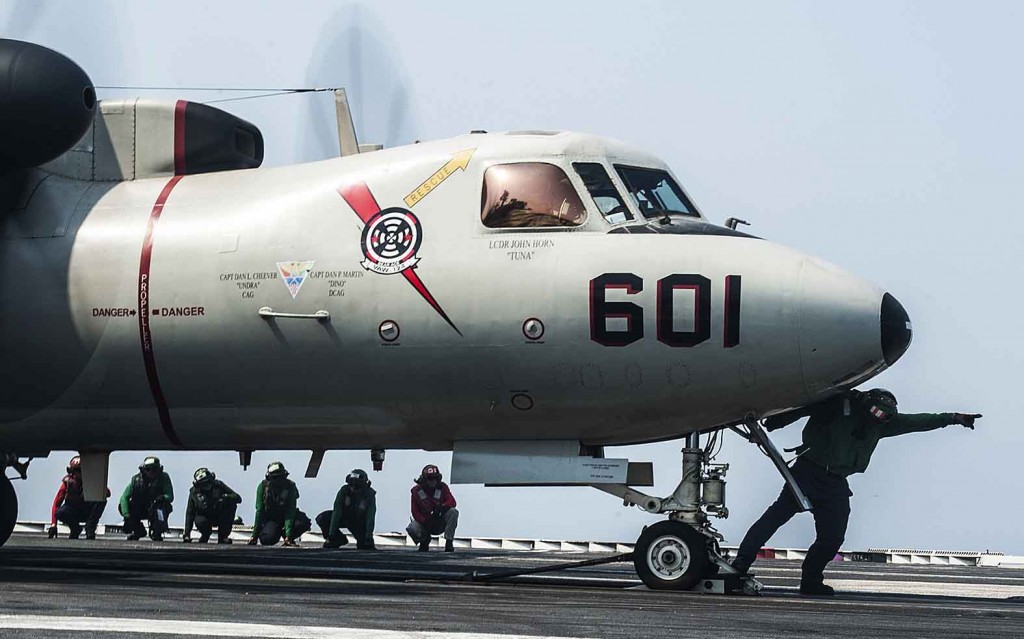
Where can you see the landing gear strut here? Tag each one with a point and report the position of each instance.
(683, 552)
(8, 498)
(8, 509)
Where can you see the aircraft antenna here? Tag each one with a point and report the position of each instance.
(264, 92)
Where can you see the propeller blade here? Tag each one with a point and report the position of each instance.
(348, 143)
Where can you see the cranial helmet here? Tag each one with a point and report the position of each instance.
(151, 463)
(357, 478)
(203, 475)
(75, 464)
(276, 470)
(881, 404)
(430, 471)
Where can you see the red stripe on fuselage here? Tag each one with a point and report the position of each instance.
(145, 281)
(179, 137)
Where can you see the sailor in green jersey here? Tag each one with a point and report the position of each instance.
(838, 441)
(355, 508)
(277, 511)
(147, 496)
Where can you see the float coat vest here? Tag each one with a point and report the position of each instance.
(208, 500)
(141, 491)
(841, 435)
(352, 506)
(276, 500)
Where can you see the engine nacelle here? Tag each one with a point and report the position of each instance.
(47, 103)
(139, 138)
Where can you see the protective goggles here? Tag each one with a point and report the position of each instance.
(882, 412)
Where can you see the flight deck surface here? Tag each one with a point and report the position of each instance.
(114, 588)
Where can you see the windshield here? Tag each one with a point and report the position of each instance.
(605, 195)
(529, 194)
(655, 192)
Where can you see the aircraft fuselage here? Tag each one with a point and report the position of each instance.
(130, 311)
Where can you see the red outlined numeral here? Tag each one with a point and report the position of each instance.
(701, 287)
(602, 310)
(731, 330)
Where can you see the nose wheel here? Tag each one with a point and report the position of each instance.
(671, 555)
(8, 509)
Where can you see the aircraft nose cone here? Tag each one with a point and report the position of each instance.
(896, 329)
(838, 328)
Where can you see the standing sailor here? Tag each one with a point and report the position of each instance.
(838, 441)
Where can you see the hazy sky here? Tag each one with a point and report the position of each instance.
(885, 137)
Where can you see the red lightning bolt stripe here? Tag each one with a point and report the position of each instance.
(359, 197)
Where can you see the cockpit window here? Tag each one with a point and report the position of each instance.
(655, 192)
(605, 195)
(529, 194)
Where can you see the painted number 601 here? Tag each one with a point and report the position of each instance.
(602, 310)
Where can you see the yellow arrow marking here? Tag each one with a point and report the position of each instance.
(459, 161)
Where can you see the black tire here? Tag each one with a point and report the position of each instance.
(8, 509)
(671, 555)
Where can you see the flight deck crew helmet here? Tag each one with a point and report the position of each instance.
(151, 463)
(358, 478)
(430, 471)
(881, 404)
(75, 464)
(202, 476)
(276, 470)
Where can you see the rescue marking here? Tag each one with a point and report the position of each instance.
(358, 196)
(145, 290)
(294, 273)
(459, 160)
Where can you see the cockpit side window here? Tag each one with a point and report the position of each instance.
(606, 196)
(655, 192)
(529, 194)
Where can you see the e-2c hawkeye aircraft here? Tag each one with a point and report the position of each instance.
(523, 299)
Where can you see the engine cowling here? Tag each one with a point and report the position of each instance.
(47, 103)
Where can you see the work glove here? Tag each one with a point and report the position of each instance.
(252, 541)
(289, 542)
(51, 532)
(966, 419)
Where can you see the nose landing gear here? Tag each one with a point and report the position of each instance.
(671, 555)
(8, 498)
(8, 509)
(682, 553)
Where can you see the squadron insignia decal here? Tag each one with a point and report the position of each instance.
(390, 241)
(391, 237)
(294, 274)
